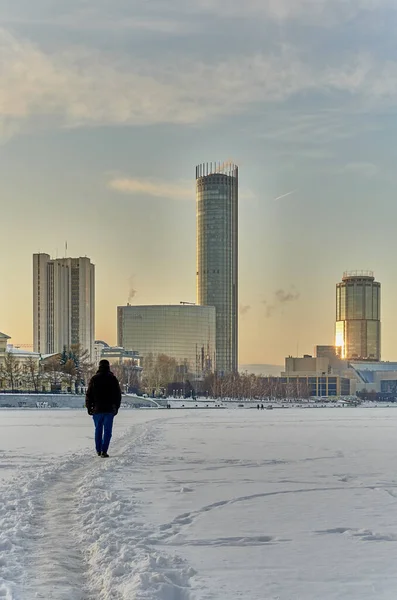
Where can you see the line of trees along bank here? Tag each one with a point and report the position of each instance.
(247, 386)
(162, 375)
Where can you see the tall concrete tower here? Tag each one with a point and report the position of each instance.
(217, 255)
(357, 331)
(63, 304)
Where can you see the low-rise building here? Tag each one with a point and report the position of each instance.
(324, 375)
(306, 365)
(22, 355)
(19, 368)
(115, 354)
(320, 385)
(3, 342)
(119, 356)
(379, 377)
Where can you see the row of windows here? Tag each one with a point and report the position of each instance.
(318, 386)
(357, 302)
(311, 380)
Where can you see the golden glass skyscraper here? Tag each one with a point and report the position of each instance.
(217, 255)
(357, 331)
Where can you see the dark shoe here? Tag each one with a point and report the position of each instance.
(104, 455)
(99, 453)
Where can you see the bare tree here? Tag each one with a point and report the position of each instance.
(85, 368)
(52, 369)
(127, 373)
(69, 370)
(33, 373)
(158, 371)
(11, 371)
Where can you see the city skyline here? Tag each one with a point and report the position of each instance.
(132, 294)
(103, 119)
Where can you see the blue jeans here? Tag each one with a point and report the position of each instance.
(103, 430)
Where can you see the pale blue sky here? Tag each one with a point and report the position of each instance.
(106, 106)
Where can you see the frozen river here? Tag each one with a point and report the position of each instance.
(199, 505)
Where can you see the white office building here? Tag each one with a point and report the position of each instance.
(63, 304)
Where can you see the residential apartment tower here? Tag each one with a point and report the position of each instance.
(63, 304)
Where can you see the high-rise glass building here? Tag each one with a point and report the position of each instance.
(217, 255)
(63, 304)
(358, 316)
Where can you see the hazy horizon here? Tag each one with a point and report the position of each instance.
(107, 107)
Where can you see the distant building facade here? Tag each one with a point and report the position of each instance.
(183, 332)
(319, 372)
(99, 345)
(330, 352)
(3, 343)
(119, 356)
(63, 304)
(326, 386)
(217, 255)
(380, 377)
(18, 367)
(306, 364)
(323, 376)
(22, 355)
(358, 331)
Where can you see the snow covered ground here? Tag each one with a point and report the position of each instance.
(200, 505)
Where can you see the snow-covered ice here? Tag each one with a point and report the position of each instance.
(200, 505)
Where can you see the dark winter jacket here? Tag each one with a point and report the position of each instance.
(103, 393)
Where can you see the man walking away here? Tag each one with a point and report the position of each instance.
(103, 399)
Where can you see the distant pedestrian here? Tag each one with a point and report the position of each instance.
(103, 399)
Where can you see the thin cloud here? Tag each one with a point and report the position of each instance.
(363, 169)
(179, 190)
(79, 87)
(325, 13)
(246, 195)
(291, 128)
(280, 298)
(132, 291)
(285, 195)
(244, 309)
(158, 189)
(119, 12)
